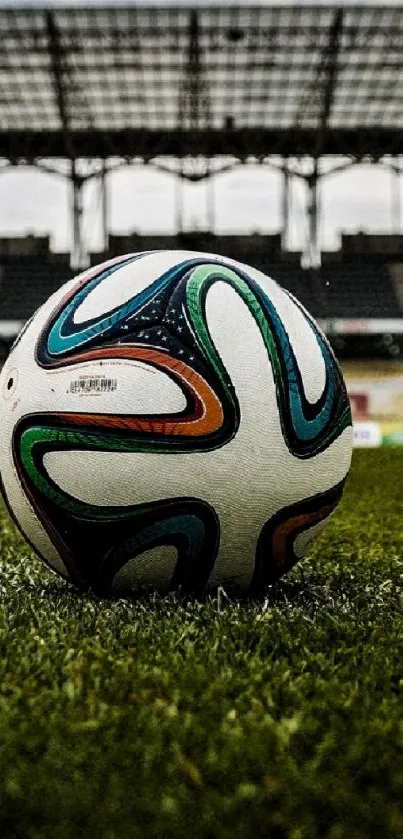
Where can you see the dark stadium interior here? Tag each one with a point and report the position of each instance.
(352, 282)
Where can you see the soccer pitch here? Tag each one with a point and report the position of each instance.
(158, 718)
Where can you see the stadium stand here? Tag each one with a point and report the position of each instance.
(29, 274)
(27, 283)
(348, 283)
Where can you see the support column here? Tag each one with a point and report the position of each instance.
(312, 254)
(211, 204)
(396, 204)
(179, 204)
(79, 259)
(285, 206)
(105, 207)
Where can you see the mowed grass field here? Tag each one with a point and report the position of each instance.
(156, 718)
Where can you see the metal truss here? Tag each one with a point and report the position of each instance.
(242, 144)
(196, 90)
(212, 81)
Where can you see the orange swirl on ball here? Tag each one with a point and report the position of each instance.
(208, 414)
(283, 557)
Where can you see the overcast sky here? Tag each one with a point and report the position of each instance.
(246, 199)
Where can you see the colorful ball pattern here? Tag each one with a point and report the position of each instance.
(172, 420)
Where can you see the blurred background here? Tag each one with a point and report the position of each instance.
(268, 133)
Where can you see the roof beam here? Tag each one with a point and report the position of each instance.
(194, 69)
(148, 144)
(288, 82)
(330, 76)
(193, 108)
(56, 54)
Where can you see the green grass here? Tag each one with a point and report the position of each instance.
(159, 719)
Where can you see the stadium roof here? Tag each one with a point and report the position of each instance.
(143, 81)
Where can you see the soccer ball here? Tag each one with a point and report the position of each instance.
(172, 420)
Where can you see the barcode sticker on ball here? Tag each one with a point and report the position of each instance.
(88, 384)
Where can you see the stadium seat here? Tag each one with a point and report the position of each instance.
(350, 288)
(27, 281)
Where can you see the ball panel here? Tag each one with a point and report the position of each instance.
(151, 569)
(119, 280)
(115, 282)
(26, 519)
(304, 540)
(276, 553)
(302, 338)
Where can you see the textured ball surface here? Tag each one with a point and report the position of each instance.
(172, 420)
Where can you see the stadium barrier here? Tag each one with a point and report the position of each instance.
(375, 389)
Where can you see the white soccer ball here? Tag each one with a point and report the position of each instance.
(172, 420)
